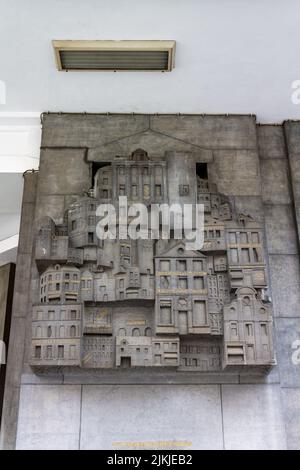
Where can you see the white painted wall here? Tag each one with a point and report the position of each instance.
(233, 56)
(20, 136)
(11, 188)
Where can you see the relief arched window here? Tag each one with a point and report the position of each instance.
(73, 331)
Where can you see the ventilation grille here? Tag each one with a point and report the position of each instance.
(114, 55)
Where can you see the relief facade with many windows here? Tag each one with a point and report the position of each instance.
(108, 304)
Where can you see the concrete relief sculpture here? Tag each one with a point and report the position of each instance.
(152, 303)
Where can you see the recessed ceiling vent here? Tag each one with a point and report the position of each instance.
(114, 55)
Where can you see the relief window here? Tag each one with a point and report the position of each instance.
(146, 191)
(198, 283)
(165, 265)
(60, 352)
(243, 237)
(158, 190)
(122, 190)
(72, 351)
(249, 329)
(264, 330)
(38, 352)
(181, 265)
(234, 255)
(134, 191)
(234, 329)
(256, 255)
(232, 237)
(51, 314)
(245, 255)
(182, 283)
(73, 315)
(165, 282)
(165, 314)
(90, 237)
(73, 331)
(49, 352)
(197, 266)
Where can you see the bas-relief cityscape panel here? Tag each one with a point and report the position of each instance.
(152, 303)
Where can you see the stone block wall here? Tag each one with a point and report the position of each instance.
(257, 167)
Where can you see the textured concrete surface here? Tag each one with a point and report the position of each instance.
(20, 309)
(275, 181)
(279, 147)
(206, 131)
(160, 416)
(236, 172)
(253, 417)
(292, 132)
(49, 417)
(7, 273)
(75, 178)
(271, 142)
(280, 229)
(4, 279)
(285, 284)
(287, 332)
(291, 401)
(251, 205)
(151, 413)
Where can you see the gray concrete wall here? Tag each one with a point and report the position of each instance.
(156, 416)
(20, 313)
(280, 180)
(255, 166)
(7, 273)
(4, 280)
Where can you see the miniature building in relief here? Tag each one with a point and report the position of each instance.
(151, 303)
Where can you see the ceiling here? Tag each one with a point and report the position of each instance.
(232, 56)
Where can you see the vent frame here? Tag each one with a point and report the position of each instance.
(114, 46)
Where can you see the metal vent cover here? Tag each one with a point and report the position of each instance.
(114, 55)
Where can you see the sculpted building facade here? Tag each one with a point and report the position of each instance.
(129, 341)
(152, 303)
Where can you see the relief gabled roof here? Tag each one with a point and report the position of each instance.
(154, 142)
